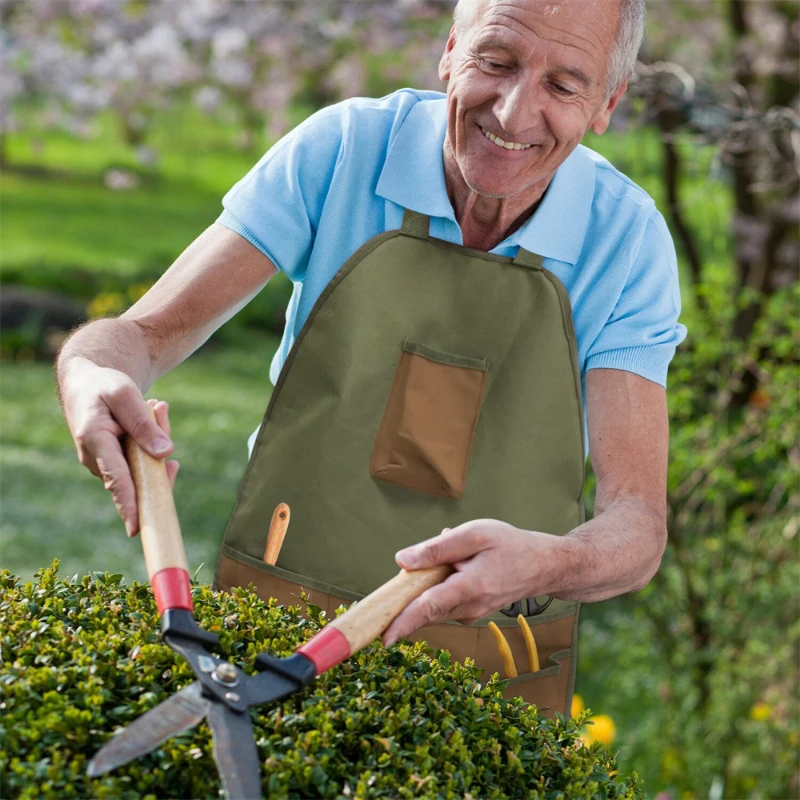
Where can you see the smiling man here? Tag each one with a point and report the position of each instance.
(526, 81)
(467, 280)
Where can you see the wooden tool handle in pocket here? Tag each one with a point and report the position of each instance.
(159, 529)
(370, 617)
(277, 533)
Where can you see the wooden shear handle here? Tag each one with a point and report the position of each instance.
(159, 530)
(370, 617)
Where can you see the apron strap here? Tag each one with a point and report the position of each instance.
(415, 224)
(527, 259)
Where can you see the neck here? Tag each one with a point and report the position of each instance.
(486, 221)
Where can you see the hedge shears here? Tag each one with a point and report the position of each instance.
(222, 693)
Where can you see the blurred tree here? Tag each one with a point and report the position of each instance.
(741, 92)
(74, 58)
(723, 610)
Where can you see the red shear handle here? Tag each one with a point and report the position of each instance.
(159, 530)
(370, 617)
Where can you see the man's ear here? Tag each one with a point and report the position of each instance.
(444, 62)
(603, 117)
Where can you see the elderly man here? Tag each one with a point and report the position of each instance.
(466, 277)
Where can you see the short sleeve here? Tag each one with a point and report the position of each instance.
(278, 204)
(643, 331)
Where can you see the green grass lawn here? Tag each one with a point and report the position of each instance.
(51, 507)
(59, 218)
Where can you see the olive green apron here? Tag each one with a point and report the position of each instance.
(432, 384)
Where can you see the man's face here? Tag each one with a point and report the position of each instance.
(526, 80)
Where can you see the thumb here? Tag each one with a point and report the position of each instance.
(138, 419)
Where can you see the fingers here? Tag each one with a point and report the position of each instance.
(113, 470)
(172, 471)
(447, 600)
(161, 411)
(101, 404)
(456, 544)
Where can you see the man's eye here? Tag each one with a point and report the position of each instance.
(496, 66)
(563, 90)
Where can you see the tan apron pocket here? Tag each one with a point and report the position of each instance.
(548, 688)
(233, 572)
(426, 433)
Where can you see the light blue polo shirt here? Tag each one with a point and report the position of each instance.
(347, 173)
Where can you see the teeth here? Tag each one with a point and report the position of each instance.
(501, 143)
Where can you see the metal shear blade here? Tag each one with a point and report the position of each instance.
(175, 715)
(235, 752)
(222, 695)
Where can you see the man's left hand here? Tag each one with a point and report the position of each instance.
(495, 564)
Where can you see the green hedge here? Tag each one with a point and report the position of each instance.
(82, 658)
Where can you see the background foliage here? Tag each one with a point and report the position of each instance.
(124, 122)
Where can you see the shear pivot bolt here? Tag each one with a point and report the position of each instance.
(225, 673)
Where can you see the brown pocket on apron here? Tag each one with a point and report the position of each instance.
(548, 688)
(287, 593)
(425, 436)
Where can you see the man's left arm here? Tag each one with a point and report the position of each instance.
(618, 551)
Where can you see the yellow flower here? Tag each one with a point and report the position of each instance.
(603, 730)
(104, 304)
(761, 712)
(577, 705)
(137, 290)
(671, 765)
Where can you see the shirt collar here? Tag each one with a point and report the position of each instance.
(413, 173)
(413, 177)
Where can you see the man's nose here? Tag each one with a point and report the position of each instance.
(517, 107)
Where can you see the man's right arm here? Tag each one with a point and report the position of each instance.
(105, 367)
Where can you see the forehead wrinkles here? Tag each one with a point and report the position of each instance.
(550, 22)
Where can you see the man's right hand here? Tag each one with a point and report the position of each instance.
(104, 366)
(101, 405)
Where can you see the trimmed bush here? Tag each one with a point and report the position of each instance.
(82, 657)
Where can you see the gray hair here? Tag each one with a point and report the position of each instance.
(621, 62)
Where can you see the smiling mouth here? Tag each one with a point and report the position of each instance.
(496, 140)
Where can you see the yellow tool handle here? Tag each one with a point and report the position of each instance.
(509, 665)
(530, 644)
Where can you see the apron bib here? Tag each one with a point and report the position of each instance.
(432, 384)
